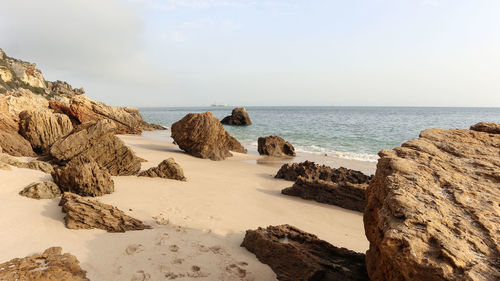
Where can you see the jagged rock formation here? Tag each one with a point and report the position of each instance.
(41, 190)
(97, 140)
(432, 208)
(7, 159)
(486, 127)
(295, 255)
(167, 169)
(51, 265)
(275, 146)
(202, 135)
(311, 170)
(10, 140)
(238, 117)
(82, 213)
(62, 88)
(42, 128)
(83, 176)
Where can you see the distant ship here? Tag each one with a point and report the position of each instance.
(219, 105)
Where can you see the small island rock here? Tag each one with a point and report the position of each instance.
(275, 146)
(238, 117)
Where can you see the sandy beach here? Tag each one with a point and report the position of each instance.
(197, 225)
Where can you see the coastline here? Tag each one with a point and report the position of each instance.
(207, 217)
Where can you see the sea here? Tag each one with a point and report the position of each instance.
(356, 133)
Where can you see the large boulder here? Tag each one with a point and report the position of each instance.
(97, 140)
(82, 213)
(311, 170)
(275, 146)
(167, 169)
(42, 128)
(47, 266)
(238, 117)
(33, 164)
(432, 208)
(41, 190)
(10, 140)
(23, 99)
(487, 127)
(295, 255)
(202, 135)
(83, 176)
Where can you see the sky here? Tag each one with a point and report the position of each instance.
(276, 52)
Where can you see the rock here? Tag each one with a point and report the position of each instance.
(238, 117)
(42, 128)
(486, 127)
(97, 140)
(167, 169)
(48, 266)
(311, 170)
(202, 135)
(62, 88)
(41, 190)
(5, 74)
(7, 159)
(83, 176)
(28, 73)
(82, 213)
(342, 194)
(432, 208)
(275, 146)
(10, 140)
(23, 99)
(295, 255)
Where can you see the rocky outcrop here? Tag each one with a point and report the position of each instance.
(42, 128)
(33, 164)
(238, 117)
(311, 170)
(167, 169)
(342, 194)
(432, 208)
(487, 127)
(48, 266)
(23, 99)
(41, 190)
(275, 146)
(10, 140)
(97, 140)
(62, 88)
(202, 135)
(295, 255)
(82, 213)
(83, 176)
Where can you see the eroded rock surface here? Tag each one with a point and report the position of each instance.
(51, 265)
(487, 127)
(10, 140)
(432, 208)
(275, 146)
(82, 213)
(239, 117)
(83, 176)
(295, 255)
(41, 190)
(311, 170)
(167, 169)
(97, 140)
(202, 135)
(33, 164)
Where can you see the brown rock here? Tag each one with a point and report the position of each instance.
(295, 255)
(10, 140)
(82, 213)
(83, 176)
(167, 169)
(275, 146)
(311, 170)
(42, 128)
(486, 127)
(34, 164)
(59, 107)
(51, 265)
(97, 140)
(432, 208)
(202, 135)
(238, 117)
(41, 190)
(62, 88)
(343, 194)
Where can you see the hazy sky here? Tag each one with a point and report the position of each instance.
(276, 52)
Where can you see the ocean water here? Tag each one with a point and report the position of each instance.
(346, 132)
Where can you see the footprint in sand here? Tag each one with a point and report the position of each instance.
(140, 276)
(173, 248)
(235, 269)
(134, 248)
(162, 239)
(196, 272)
(161, 219)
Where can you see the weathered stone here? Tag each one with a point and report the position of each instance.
(238, 117)
(167, 169)
(33, 164)
(487, 127)
(97, 140)
(311, 170)
(343, 194)
(41, 190)
(23, 99)
(51, 265)
(432, 208)
(82, 213)
(275, 146)
(10, 140)
(295, 255)
(62, 88)
(202, 135)
(42, 128)
(83, 176)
